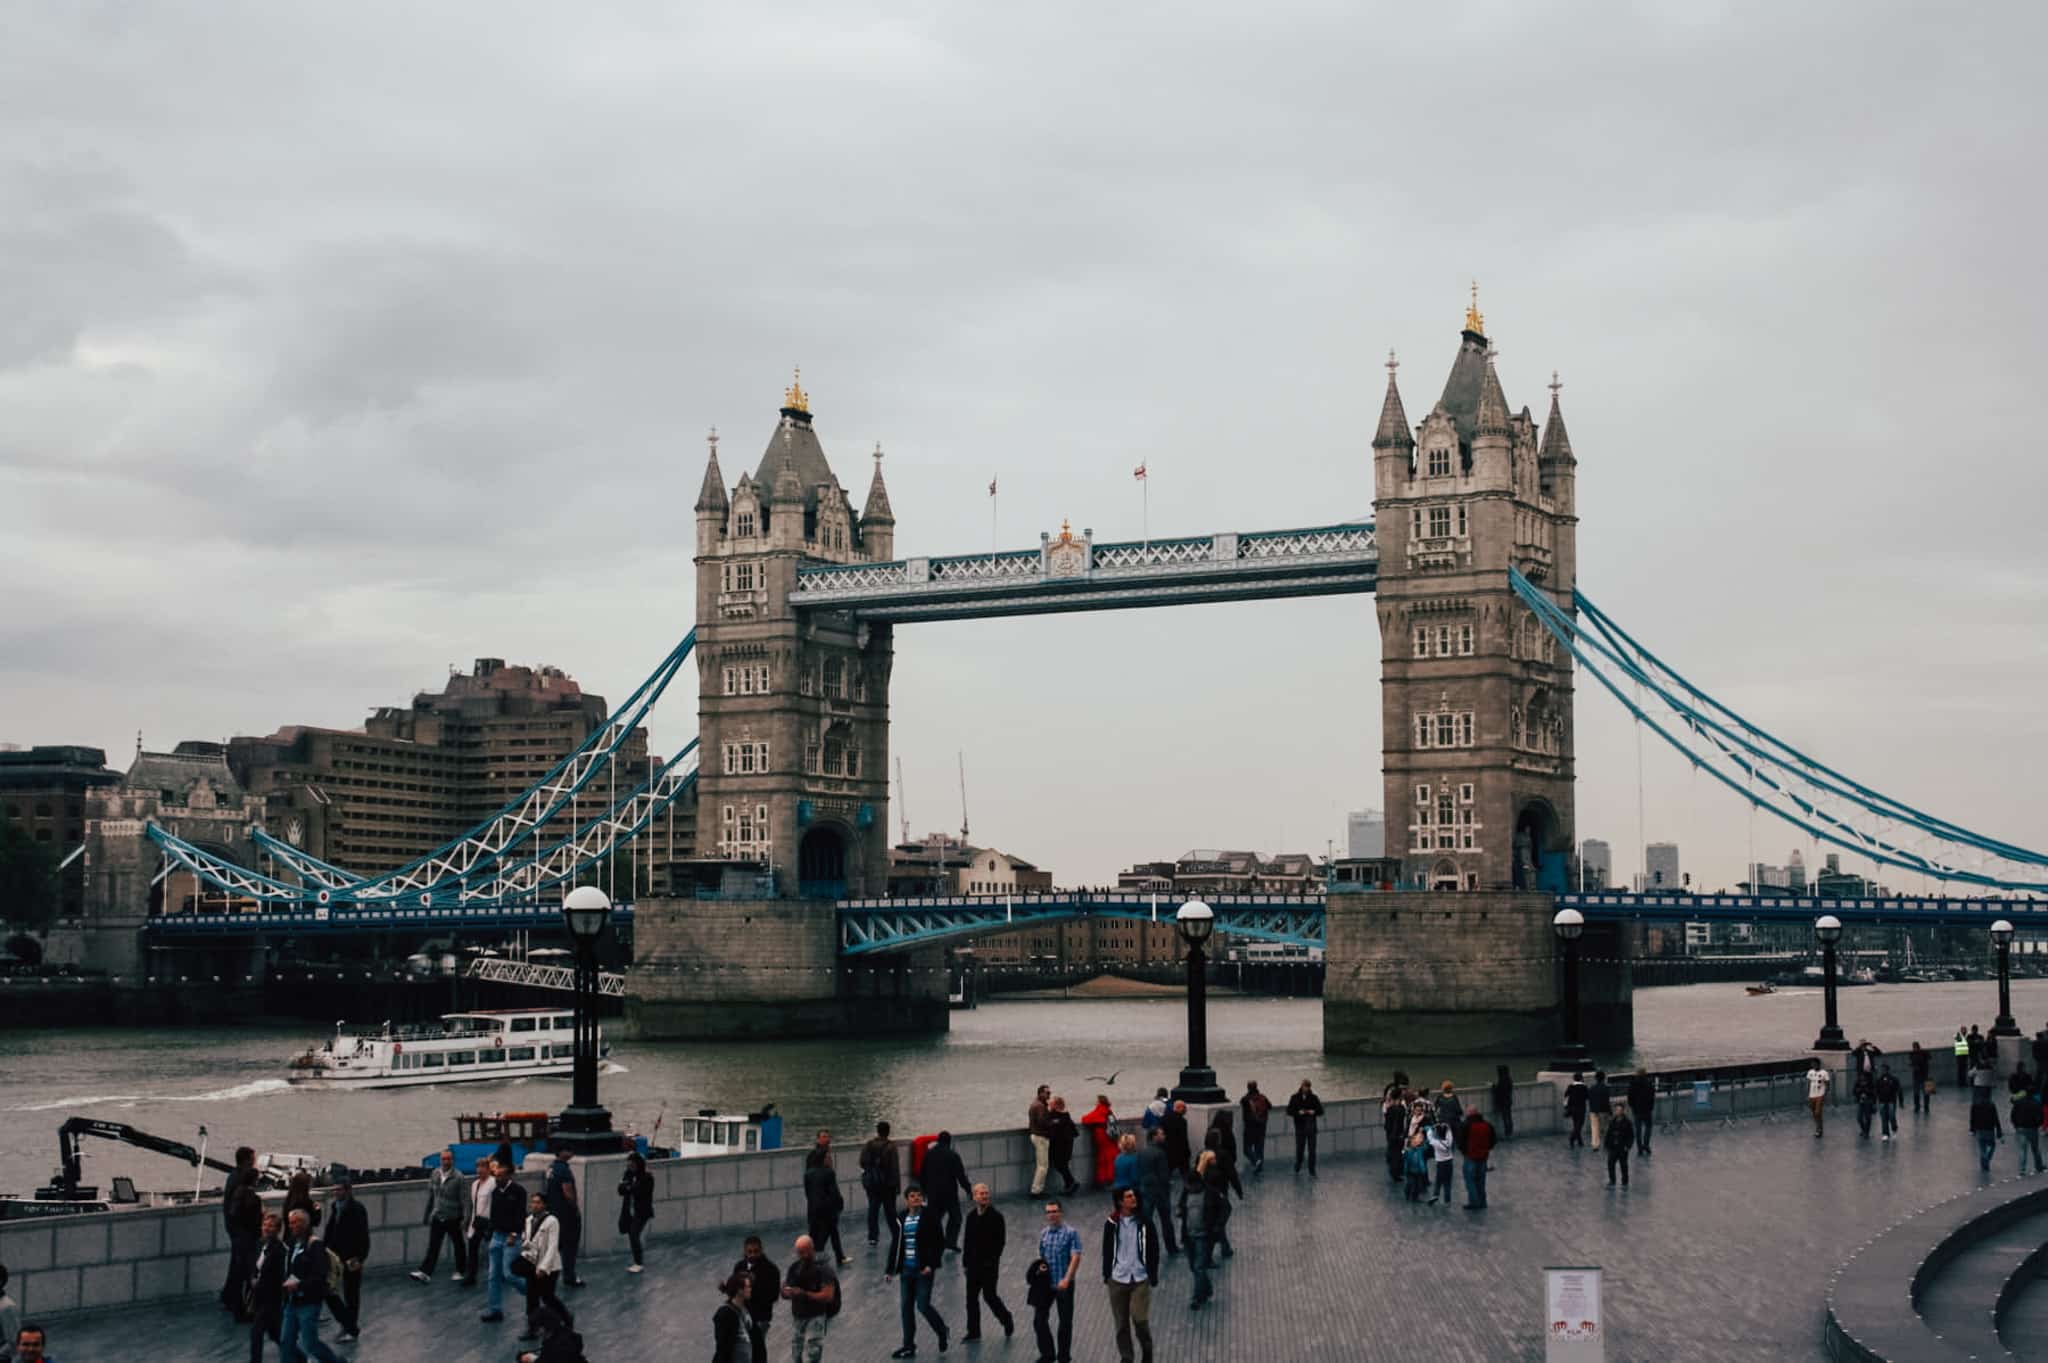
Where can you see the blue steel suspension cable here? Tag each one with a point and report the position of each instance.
(1569, 635)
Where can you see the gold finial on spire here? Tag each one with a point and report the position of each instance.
(1475, 321)
(794, 398)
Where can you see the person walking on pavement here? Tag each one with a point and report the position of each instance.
(241, 1212)
(447, 1203)
(764, 1289)
(981, 1263)
(348, 1235)
(266, 1288)
(1923, 1085)
(1817, 1080)
(823, 1202)
(881, 1176)
(1306, 1109)
(1984, 1125)
(1155, 1186)
(1504, 1102)
(1599, 1102)
(729, 1321)
(1642, 1106)
(541, 1247)
(1124, 1173)
(1621, 1138)
(481, 1189)
(507, 1220)
(1212, 1210)
(1038, 1126)
(636, 1206)
(1130, 1270)
(1394, 1129)
(567, 1205)
(1478, 1138)
(2026, 1129)
(1865, 1094)
(1887, 1093)
(305, 1290)
(1256, 1107)
(1180, 1151)
(10, 1323)
(1059, 1247)
(914, 1261)
(1061, 1148)
(944, 1178)
(1155, 1111)
(1442, 1145)
(1963, 1051)
(1577, 1098)
(812, 1290)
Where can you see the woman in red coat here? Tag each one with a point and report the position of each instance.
(1097, 1120)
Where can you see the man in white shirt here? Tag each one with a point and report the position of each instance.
(1817, 1081)
(480, 1192)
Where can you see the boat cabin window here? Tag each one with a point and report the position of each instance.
(547, 1024)
(520, 1053)
(490, 1057)
(753, 1139)
(522, 1024)
(462, 1058)
(433, 1059)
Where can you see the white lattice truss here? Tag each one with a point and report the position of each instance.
(532, 974)
(985, 567)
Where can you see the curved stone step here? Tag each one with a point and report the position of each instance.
(1960, 1302)
(2022, 1313)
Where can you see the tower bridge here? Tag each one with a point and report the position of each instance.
(1471, 556)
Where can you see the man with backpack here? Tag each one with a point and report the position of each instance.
(812, 1290)
(310, 1268)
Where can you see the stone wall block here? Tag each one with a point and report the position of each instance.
(753, 1175)
(160, 1277)
(735, 1209)
(45, 1292)
(110, 1284)
(82, 1244)
(189, 1232)
(206, 1272)
(686, 1179)
(25, 1248)
(137, 1237)
(721, 1175)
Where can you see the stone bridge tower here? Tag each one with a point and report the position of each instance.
(1476, 696)
(793, 708)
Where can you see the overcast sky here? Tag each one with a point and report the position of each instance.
(341, 343)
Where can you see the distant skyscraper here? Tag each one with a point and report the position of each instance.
(1795, 872)
(1660, 865)
(1365, 833)
(1596, 863)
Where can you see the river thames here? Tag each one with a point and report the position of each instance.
(979, 1075)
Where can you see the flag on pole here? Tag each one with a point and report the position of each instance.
(1139, 473)
(991, 487)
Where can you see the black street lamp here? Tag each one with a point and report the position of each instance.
(585, 1128)
(1570, 925)
(1828, 929)
(2001, 936)
(1195, 922)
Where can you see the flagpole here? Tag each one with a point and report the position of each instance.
(995, 538)
(1145, 498)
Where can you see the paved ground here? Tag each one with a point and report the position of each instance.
(1721, 1250)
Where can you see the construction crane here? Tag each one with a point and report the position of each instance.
(65, 1186)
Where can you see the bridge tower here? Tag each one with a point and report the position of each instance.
(793, 709)
(1476, 698)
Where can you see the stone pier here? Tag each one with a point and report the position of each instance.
(711, 969)
(1463, 973)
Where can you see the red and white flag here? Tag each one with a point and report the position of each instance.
(1139, 473)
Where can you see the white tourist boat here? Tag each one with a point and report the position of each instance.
(503, 1043)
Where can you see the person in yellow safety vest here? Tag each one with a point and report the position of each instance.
(1962, 1058)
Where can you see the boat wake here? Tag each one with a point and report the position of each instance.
(255, 1088)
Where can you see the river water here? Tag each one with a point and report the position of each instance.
(979, 1075)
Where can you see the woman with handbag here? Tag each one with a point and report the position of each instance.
(540, 1264)
(636, 1205)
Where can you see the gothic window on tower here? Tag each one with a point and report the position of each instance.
(1445, 729)
(1422, 637)
(807, 680)
(860, 683)
(739, 577)
(835, 679)
(731, 678)
(1464, 641)
(743, 524)
(1440, 462)
(1439, 522)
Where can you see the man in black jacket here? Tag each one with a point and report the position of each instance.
(881, 1178)
(508, 1223)
(981, 1259)
(241, 1210)
(1305, 1108)
(944, 1177)
(1155, 1185)
(1130, 1269)
(766, 1278)
(1178, 1153)
(914, 1260)
(1642, 1105)
(266, 1286)
(348, 1235)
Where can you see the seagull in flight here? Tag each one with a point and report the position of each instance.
(1109, 1078)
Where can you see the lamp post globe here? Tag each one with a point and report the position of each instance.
(1827, 929)
(2001, 937)
(1570, 925)
(585, 1126)
(1196, 923)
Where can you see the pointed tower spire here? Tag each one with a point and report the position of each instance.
(1394, 432)
(712, 495)
(877, 511)
(1556, 444)
(1493, 404)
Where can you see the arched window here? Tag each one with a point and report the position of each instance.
(1514, 726)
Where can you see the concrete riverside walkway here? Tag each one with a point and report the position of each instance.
(1722, 1249)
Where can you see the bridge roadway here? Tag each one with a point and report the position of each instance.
(1721, 1249)
(871, 926)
